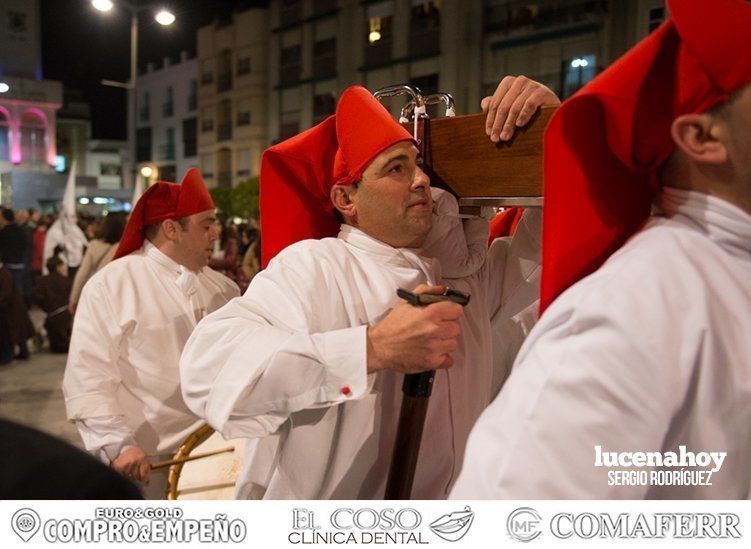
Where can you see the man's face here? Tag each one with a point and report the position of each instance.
(21, 217)
(195, 242)
(393, 202)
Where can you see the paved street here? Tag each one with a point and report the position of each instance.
(30, 393)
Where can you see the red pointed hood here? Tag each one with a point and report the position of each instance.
(161, 201)
(297, 174)
(603, 146)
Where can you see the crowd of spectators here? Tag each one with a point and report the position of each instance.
(29, 279)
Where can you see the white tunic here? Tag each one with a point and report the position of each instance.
(132, 321)
(650, 353)
(65, 233)
(273, 364)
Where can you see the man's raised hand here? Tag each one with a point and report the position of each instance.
(515, 101)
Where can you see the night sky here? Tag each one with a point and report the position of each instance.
(81, 46)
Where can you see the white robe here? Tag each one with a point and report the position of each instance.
(66, 233)
(649, 353)
(132, 321)
(273, 365)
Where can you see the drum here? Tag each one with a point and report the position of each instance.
(209, 477)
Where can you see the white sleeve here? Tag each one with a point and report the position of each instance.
(106, 437)
(92, 377)
(256, 360)
(594, 371)
(460, 245)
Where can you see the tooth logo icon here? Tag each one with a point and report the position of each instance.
(454, 526)
(25, 523)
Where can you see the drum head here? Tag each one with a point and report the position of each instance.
(210, 477)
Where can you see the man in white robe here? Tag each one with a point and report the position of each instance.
(121, 384)
(636, 381)
(309, 363)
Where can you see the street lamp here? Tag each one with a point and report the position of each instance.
(164, 18)
(147, 172)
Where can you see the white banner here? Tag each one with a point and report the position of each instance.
(272, 524)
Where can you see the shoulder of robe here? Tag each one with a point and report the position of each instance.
(119, 273)
(309, 255)
(224, 282)
(655, 270)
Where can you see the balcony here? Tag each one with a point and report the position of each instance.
(290, 13)
(166, 152)
(224, 131)
(540, 15)
(224, 82)
(288, 129)
(378, 53)
(289, 74)
(168, 109)
(424, 40)
(324, 66)
(224, 180)
(243, 119)
(321, 7)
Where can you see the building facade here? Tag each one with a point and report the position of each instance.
(28, 103)
(166, 119)
(463, 47)
(233, 97)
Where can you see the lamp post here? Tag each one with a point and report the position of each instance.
(164, 18)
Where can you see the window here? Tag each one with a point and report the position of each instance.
(425, 28)
(243, 163)
(243, 112)
(207, 165)
(190, 136)
(143, 145)
(224, 126)
(33, 138)
(656, 17)
(224, 168)
(224, 80)
(193, 95)
(4, 137)
(324, 105)
(323, 6)
(379, 33)
(243, 62)
(290, 12)
(167, 150)
(290, 66)
(168, 107)
(428, 85)
(207, 72)
(110, 168)
(207, 120)
(577, 72)
(289, 125)
(324, 58)
(144, 110)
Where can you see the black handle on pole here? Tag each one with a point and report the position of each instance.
(416, 389)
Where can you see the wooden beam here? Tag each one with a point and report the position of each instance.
(464, 158)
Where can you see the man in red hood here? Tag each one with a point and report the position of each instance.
(121, 382)
(310, 362)
(636, 382)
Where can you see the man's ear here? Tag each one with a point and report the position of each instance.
(342, 200)
(701, 137)
(170, 229)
